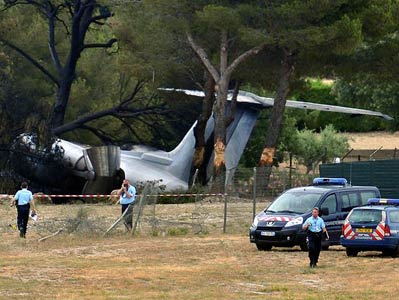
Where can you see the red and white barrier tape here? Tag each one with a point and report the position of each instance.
(106, 196)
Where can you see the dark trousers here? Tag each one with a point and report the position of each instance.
(23, 217)
(128, 218)
(314, 245)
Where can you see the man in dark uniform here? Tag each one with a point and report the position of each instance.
(315, 227)
(23, 199)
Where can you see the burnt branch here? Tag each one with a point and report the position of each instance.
(51, 41)
(139, 85)
(100, 134)
(100, 45)
(104, 16)
(155, 125)
(63, 24)
(118, 112)
(31, 60)
(131, 129)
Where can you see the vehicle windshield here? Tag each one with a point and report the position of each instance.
(294, 202)
(394, 216)
(366, 216)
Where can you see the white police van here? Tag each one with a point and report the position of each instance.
(280, 224)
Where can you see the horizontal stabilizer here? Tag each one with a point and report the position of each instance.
(247, 97)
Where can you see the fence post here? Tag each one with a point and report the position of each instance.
(195, 178)
(290, 172)
(225, 196)
(254, 195)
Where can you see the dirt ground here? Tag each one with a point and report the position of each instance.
(373, 140)
(179, 252)
(175, 264)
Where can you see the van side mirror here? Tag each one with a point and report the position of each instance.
(324, 211)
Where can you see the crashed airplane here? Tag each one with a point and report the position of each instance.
(75, 168)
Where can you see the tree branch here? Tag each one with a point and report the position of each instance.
(78, 123)
(51, 41)
(10, 4)
(63, 24)
(101, 17)
(139, 85)
(131, 129)
(203, 57)
(117, 112)
(99, 45)
(242, 57)
(156, 132)
(99, 133)
(31, 60)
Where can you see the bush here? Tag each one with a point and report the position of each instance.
(175, 231)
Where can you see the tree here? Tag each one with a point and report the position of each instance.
(314, 148)
(227, 24)
(371, 93)
(222, 37)
(372, 80)
(81, 15)
(312, 36)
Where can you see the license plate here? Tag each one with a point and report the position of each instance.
(364, 230)
(267, 233)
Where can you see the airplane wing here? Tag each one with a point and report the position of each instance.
(248, 97)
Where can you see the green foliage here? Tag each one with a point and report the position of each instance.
(318, 92)
(177, 231)
(220, 18)
(176, 200)
(152, 46)
(311, 148)
(377, 95)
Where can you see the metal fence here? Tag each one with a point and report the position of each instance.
(200, 211)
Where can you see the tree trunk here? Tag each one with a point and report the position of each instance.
(222, 78)
(220, 126)
(80, 25)
(199, 130)
(275, 123)
(61, 104)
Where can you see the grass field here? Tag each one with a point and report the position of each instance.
(210, 265)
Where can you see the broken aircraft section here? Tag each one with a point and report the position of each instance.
(75, 168)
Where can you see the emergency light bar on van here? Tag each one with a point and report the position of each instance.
(382, 201)
(329, 181)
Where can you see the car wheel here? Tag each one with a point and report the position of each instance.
(304, 246)
(351, 252)
(386, 253)
(395, 252)
(263, 247)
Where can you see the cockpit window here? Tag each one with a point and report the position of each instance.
(295, 202)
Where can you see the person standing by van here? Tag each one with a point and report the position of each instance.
(23, 199)
(315, 227)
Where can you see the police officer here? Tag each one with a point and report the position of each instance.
(315, 227)
(127, 196)
(23, 199)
